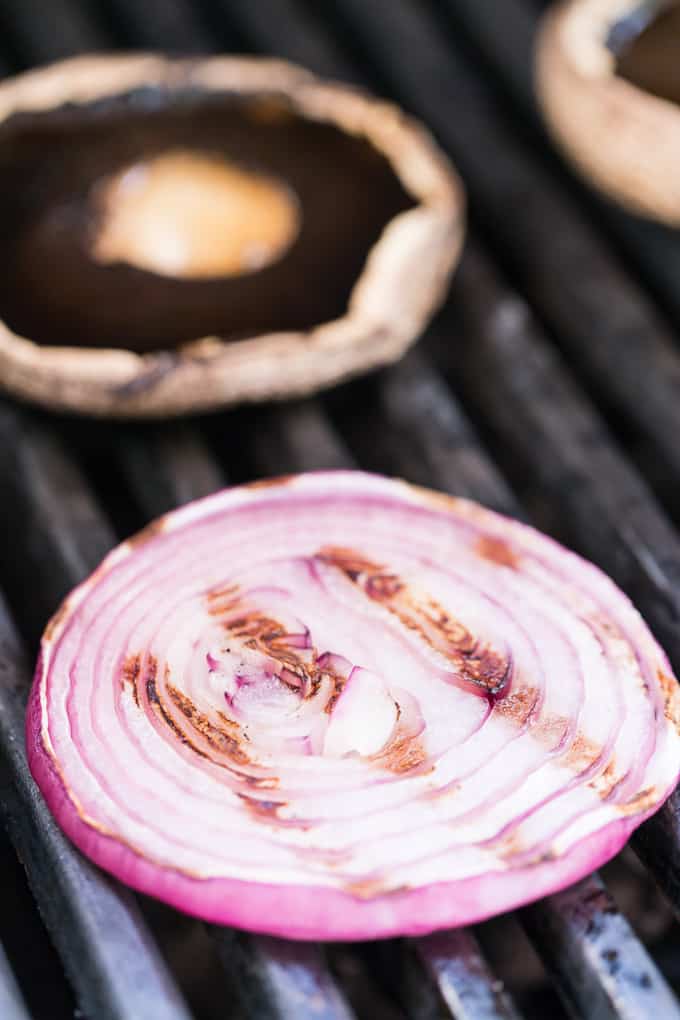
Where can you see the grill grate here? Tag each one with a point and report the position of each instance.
(280, 979)
(11, 1004)
(569, 376)
(600, 966)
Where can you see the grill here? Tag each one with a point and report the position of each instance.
(548, 388)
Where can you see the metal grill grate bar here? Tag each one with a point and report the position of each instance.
(295, 438)
(161, 24)
(279, 980)
(599, 965)
(11, 1003)
(97, 928)
(42, 495)
(469, 989)
(279, 27)
(408, 423)
(49, 31)
(53, 529)
(165, 468)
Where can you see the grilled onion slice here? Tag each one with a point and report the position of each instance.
(336, 706)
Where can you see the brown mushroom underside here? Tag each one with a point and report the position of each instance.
(63, 286)
(651, 58)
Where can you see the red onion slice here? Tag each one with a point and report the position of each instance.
(336, 706)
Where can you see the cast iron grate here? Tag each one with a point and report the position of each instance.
(548, 388)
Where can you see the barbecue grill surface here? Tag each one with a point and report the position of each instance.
(548, 388)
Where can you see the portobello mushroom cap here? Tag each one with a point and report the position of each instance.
(189, 234)
(608, 79)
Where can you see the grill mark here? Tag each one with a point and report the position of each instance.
(384, 586)
(338, 687)
(254, 624)
(517, 705)
(222, 600)
(671, 697)
(477, 664)
(268, 811)
(150, 680)
(640, 802)
(220, 593)
(159, 708)
(449, 790)
(540, 857)
(267, 483)
(226, 721)
(130, 674)
(606, 783)
(370, 888)
(215, 736)
(350, 562)
(181, 736)
(300, 670)
(162, 713)
(509, 846)
(582, 753)
(496, 550)
(261, 782)
(551, 730)
(147, 533)
(332, 858)
(403, 754)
